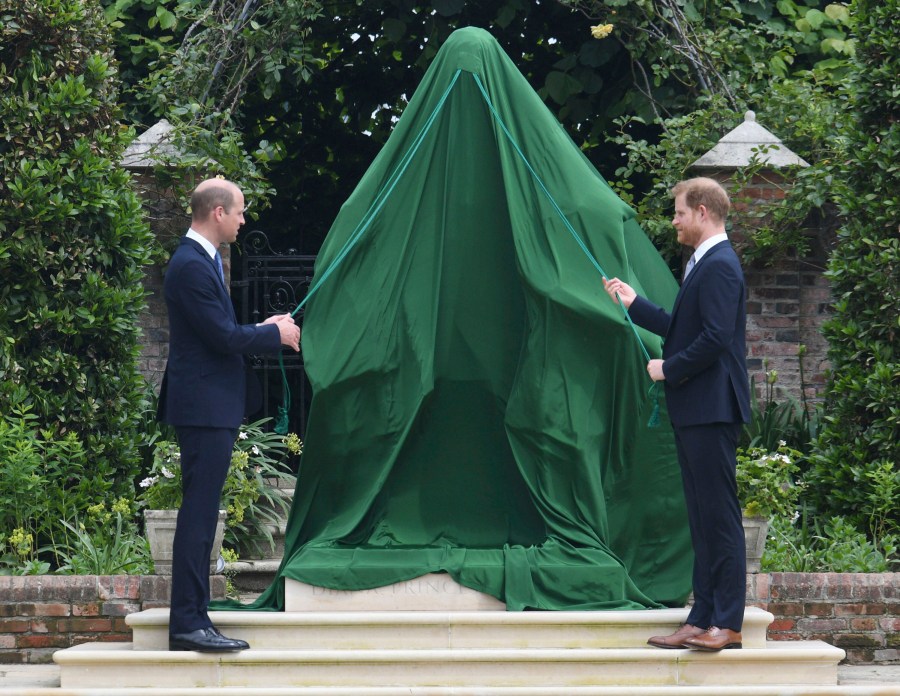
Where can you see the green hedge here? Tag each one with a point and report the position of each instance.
(856, 463)
(73, 243)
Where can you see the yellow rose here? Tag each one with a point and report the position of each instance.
(601, 31)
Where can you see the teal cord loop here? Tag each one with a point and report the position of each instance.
(281, 421)
(653, 421)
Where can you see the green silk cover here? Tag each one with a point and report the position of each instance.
(480, 404)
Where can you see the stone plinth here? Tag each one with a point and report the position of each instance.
(432, 592)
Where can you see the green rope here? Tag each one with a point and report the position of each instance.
(281, 421)
(654, 416)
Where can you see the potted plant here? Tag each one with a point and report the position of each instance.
(766, 489)
(252, 497)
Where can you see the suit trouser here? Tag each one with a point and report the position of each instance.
(707, 457)
(205, 458)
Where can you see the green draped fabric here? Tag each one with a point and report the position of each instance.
(480, 405)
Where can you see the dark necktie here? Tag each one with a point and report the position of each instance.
(221, 270)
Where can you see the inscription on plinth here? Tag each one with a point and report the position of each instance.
(432, 592)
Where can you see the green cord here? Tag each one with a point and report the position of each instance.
(654, 416)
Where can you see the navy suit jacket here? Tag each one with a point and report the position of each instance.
(205, 381)
(704, 348)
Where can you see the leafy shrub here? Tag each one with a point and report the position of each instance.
(46, 481)
(835, 546)
(856, 463)
(104, 551)
(766, 481)
(251, 496)
(72, 247)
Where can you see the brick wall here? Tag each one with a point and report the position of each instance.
(855, 611)
(40, 614)
(787, 302)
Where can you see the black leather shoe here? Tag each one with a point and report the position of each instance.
(205, 640)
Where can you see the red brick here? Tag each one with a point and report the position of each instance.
(42, 625)
(119, 608)
(86, 625)
(890, 624)
(7, 641)
(44, 640)
(786, 609)
(783, 625)
(819, 609)
(863, 625)
(44, 609)
(101, 638)
(88, 609)
(859, 609)
(119, 625)
(14, 625)
(822, 625)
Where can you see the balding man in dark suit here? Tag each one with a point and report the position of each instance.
(203, 397)
(708, 398)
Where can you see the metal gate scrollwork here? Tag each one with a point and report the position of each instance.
(270, 283)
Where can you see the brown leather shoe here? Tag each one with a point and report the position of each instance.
(676, 640)
(715, 639)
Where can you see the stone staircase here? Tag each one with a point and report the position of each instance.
(385, 642)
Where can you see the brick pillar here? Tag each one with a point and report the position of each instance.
(787, 301)
(168, 222)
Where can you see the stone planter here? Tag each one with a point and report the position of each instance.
(159, 528)
(755, 531)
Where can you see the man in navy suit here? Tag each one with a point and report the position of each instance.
(203, 396)
(708, 398)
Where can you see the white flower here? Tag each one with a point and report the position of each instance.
(168, 474)
(242, 436)
(782, 443)
(149, 481)
(254, 449)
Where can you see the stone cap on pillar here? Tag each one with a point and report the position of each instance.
(150, 148)
(747, 144)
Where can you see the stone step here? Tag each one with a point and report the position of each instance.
(118, 666)
(793, 690)
(385, 630)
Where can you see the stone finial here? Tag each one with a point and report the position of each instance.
(150, 148)
(747, 143)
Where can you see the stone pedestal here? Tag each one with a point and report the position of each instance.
(435, 591)
(755, 531)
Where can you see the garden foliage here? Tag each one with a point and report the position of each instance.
(856, 466)
(72, 247)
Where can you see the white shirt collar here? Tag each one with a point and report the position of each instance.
(708, 244)
(202, 241)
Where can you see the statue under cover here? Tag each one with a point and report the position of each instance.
(480, 406)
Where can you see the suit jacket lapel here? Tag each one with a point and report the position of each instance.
(226, 298)
(693, 274)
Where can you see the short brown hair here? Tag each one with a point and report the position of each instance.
(704, 191)
(206, 199)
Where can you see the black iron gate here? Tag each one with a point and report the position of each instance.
(270, 283)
